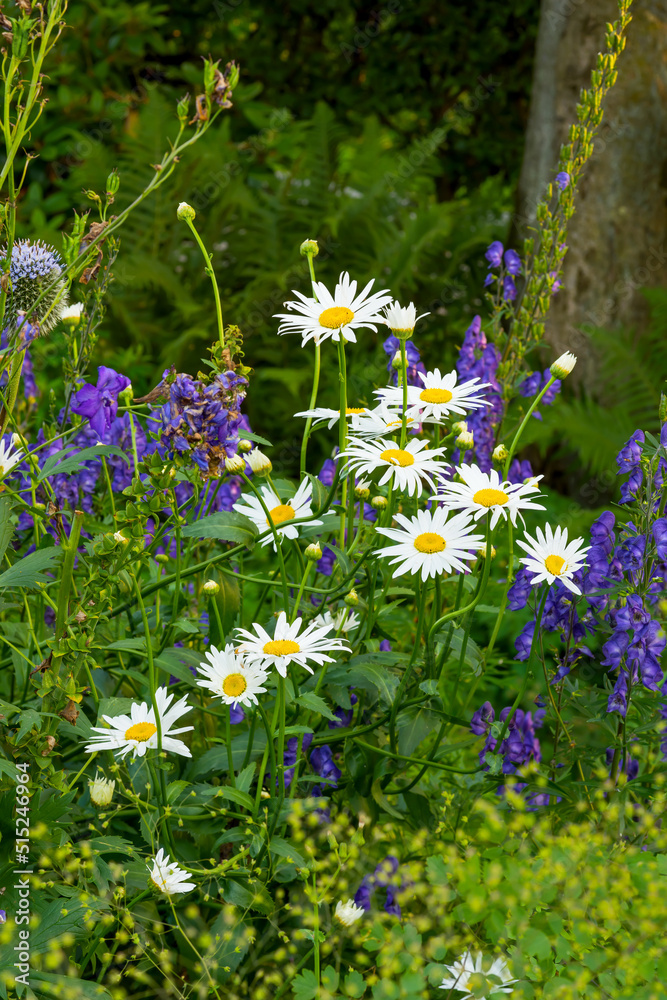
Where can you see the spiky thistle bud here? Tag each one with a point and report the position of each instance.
(34, 268)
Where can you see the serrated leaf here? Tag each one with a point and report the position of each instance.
(29, 718)
(71, 462)
(31, 570)
(285, 850)
(228, 525)
(436, 871)
(305, 986)
(314, 703)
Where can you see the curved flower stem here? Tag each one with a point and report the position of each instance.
(211, 273)
(316, 380)
(527, 675)
(299, 595)
(421, 598)
(508, 584)
(522, 426)
(228, 741)
(269, 753)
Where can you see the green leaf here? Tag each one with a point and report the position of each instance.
(305, 986)
(285, 850)
(319, 494)
(354, 985)
(29, 718)
(314, 703)
(31, 570)
(251, 436)
(436, 871)
(235, 795)
(372, 668)
(72, 462)
(414, 725)
(66, 986)
(250, 895)
(227, 525)
(9, 768)
(383, 801)
(330, 979)
(534, 942)
(6, 526)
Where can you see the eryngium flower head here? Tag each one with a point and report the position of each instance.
(34, 268)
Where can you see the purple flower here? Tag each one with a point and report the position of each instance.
(630, 615)
(99, 403)
(509, 288)
(615, 649)
(630, 454)
(562, 179)
(494, 253)
(391, 345)
(631, 765)
(531, 385)
(523, 641)
(321, 760)
(236, 714)
(385, 646)
(645, 651)
(490, 278)
(482, 719)
(618, 699)
(512, 262)
(602, 531)
(660, 536)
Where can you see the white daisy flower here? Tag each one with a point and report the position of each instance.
(481, 492)
(227, 676)
(9, 457)
(323, 413)
(348, 913)
(405, 466)
(431, 543)
(168, 877)
(101, 790)
(467, 974)
(552, 558)
(287, 646)
(344, 620)
(438, 397)
(72, 314)
(381, 421)
(281, 513)
(334, 315)
(137, 732)
(401, 319)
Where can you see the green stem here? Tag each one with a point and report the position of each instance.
(527, 675)
(520, 431)
(342, 430)
(211, 273)
(421, 597)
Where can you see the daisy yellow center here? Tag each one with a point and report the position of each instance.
(283, 512)
(234, 685)
(554, 564)
(429, 541)
(282, 647)
(335, 317)
(397, 456)
(397, 423)
(490, 498)
(141, 731)
(354, 409)
(435, 395)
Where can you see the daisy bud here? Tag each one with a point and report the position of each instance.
(16, 440)
(459, 427)
(351, 599)
(465, 441)
(562, 367)
(119, 537)
(162, 557)
(72, 314)
(397, 361)
(185, 212)
(126, 396)
(259, 463)
(244, 446)
(309, 247)
(500, 454)
(313, 552)
(361, 490)
(211, 587)
(235, 464)
(482, 551)
(101, 790)
(380, 503)
(348, 913)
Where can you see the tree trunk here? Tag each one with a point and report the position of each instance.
(617, 236)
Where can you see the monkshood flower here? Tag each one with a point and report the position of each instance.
(334, 316)
(484, 492)
(552, 558)
(467, 976)
(280, 513)
(401, 320)
(494, 254)
(534, 384)
(431, 543)
(391, 346)
(168, 877)
(382, 877)
(321, 761)
(137, 732)
(9, 457)
(348, 913)
(479, 359)
(99, 403)
(291, 753)
(230, 678)
(562, 180)
(289, 645)
(344, 716)
(406, 467)
(628, 461)
(437, 397)
(520, 743)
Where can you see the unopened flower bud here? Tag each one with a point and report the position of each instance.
(101, 790)
(126, 396)
(211, 588)
(113, 183)
(309, 247)
(16, 440)
(500, 454)
(182, 108)
(562, 367)
(235, 464)
(244, 446)
(465, 441)
(459, 427)
(162, 557)
(397, 361)
(361, 490)
(313, 552)
(119, 537)
(380, 503)
(351, 599)
(72, 314)
(185, 212)
(482, 551)
(259, 463)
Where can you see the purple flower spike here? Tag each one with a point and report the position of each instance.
(494, 254)
(100, 403)
(512, 262)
